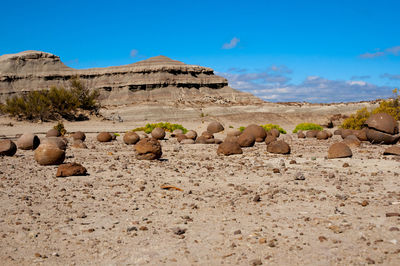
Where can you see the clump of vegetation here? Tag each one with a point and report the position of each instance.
(53, 104)
(390, 106)
(60, 128)
(166, 126)
(241, 129)
(357, 120)
(307, 126)
(268, 127)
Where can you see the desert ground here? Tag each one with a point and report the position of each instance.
(255, 208)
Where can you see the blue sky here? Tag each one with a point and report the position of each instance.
(317, 51)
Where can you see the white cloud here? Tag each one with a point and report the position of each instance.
(395, 50)
(390, 76)
(134, 53)
(356, 82)
(232, 44)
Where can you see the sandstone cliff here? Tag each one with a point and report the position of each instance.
(157, 79)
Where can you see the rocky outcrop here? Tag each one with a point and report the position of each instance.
(155, 79)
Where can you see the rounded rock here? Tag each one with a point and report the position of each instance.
(49, 154)
(78, 135)
(180, 137)
(278, 147)
(393, 150)
(352, 141)
(131, 138)
(246, 140)
(79, 144)
(187, 141)
(215, 127)
(59, 142)
(346, 132)
(191, 134)
(229, 148)
(158, 133)
(257, 131)
(7, 148)
(104, 137)
(53, 133)
(383, 122)
(378, 137)
(233, 132)
(176, 132)
(312, 133)
(322, 135)
(270, 138)
(274, 132)
(28, 141)
(339, 150)
(148, 149)
(301, 135)
(207, 135)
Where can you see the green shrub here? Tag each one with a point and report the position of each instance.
(307, 126)
(357, 120)
(166, 126)
(268, 127)
(52, 104)
(241, 129)
(60, 128)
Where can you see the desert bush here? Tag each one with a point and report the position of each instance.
(307, 126)
(357, 120)
(241, 129)
(60, 128)
(268, 127)
(52, 104)
(166, 126)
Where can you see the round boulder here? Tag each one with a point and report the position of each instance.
(79, 144)
(187, 141)
(215, 127)
(321, 135)
(393, 150)
(78, 135)
(104, 137)
(180, 137)
(383, 122)
(207, 135)
(274, 132)
(49, 154)
(346, 132)
(257, 131)
(230, 138)
(158, 133)
(378, 137)
(176, 132)
(246, 140)
(352, 141)
(278, 147)
(361, 134)
(229, 148)
(301, 135)
(59, 142)
(339, 150)
(270, 138)
(312, 133)
(233, 132)
(191, 134)
(53, 133)
(70, 169)
(148, 149)
(7, 147)
(131, 138)
(337, 132)
(28, 141)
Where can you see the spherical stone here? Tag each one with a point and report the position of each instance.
(176, 132)
(274, 132)
(278, 147)
(337, 132)
(233, 132)
(339, 150)
(246, 140)
(191, 134)
(180, 137)
(187, 141)
(215, 127)
(378, 137)
(207, 135)
(78, 135)
(322, 135)
(158, 133)
(346, 132)
(352, 141)
(361, 134)
(7, 147)
(59, 142)
(201, 140)
(270, 138)
(229, 148)
(49, 154)
(312, 133)
(393, 150)
(28, 141)
(210, 141)
(148, 149)
(53, 133)
(383, 122)
(131, 138)
(70, 169)
(257, 131)
(104, 137)
(231, 138)
(301, 135)
(79, 144)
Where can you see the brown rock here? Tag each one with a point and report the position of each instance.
(187, 141)
(229, 148)
(7, 147)
(361, 134)
(70, 169)
(230, 138)
(210, 141)
(322, 135)
(257, 131)
(215, 127)
(191, 134)
(49, 154)
(28, 141)
(104, 137)
(201, 140)
(383, 122)
(59, 142)
(79, 135)
(148, 149)
(393, 150)
(207, 135)
(346, 132)
(180, 137)
(176, 132)
(79, 144)
(378, 137)
(301, 135)
(337, 132)
(53, 133)
(233, 132)
(158, 133)
(217, 141)
(339, 150)
(131, 138)
(278, 147)
(352, 141)
(312, 133)
(274, 132)
(246, 140)
(270, 138)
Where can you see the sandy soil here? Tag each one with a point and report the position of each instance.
(235, 210)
